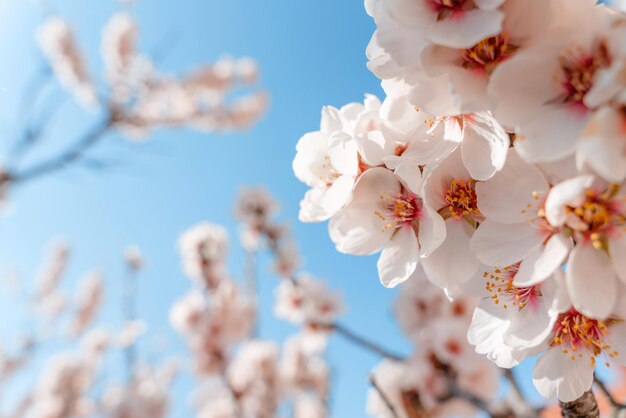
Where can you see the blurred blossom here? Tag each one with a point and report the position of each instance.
(203, 250)
(308, 301)
(88, 300)
(59, 45)
(52, 269)
(253, 377)
(255, 207)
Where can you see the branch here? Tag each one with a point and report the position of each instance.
(69, 156)
(362, 342)
(516, 400)
(382, 395)
(584, 407)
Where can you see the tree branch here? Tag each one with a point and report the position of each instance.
(382, 395)
(584, 407)
(615, 404)
(362, 342)
(67, 157)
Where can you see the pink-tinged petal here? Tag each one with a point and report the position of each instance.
(617, 250)
(591, 282)
(557, 374)
(428, 150)
(432, 231)
(551, 135)
(603, 145)
(543, 261)
(331, 120)
(568, 193)
(436, 97)
(484, 137)
(342, 151)
(437, 179)
(561, 301)
(372, 184)
(470, 86)
(514, 194)
(411, 175)
(373, 147)
(357, 230)
(402, 121)
(399, 258)
(466, 30)
(452, 263)
(497, 244)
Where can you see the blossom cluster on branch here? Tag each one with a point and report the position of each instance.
(497, 164)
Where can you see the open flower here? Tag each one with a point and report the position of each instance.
(594, 214)
(450, 191)
(385, 214)
(566, 369)
(549, 106)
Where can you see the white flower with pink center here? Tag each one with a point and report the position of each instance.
(512, 322)
(576, 344)
(385, 214)
(469, 67)
(515, 228)
(594, 214)
(541, 92)
(449, 190)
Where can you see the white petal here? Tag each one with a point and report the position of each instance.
(617, 339)
(311, 209)
(514, 194)
(467, 30)
(357, 230)
(617, 250)
(452, 263)
(551, 135)
(556, 374)
(338, 194)
(331, 120)
(411, 175)
(529, 327)
(543, 261)
(432, 231)
(568, 193)
(486, 334)
(310, 164)
(373, 147)
(374, 182)
(399, 258)
(591, 281)
(484, 137)
(343, 154)
(497, 244)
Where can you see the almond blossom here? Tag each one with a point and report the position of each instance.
(594, 214)
(386, 215)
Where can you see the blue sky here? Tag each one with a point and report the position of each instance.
(311, 53)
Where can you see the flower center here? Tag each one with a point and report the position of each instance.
(461, 198)
(398, 209)
(499, 283)
(596, 217)
(447, 8)
(488, 53)
(578, 71)
(576, 332)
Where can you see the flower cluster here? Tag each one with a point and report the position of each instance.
(497, 161)
(141, 98)
(444, 372)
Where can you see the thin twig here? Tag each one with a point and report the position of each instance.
(363, 342)
(252, 283)
(67, 157)
(383, 396)
(516, 400)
